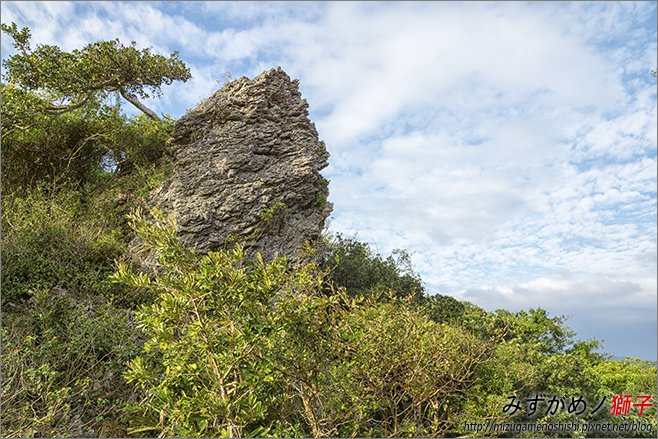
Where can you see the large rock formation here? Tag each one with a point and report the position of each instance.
(246, 167)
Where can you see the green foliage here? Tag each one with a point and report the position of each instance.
(269, 213)
(62, 360)
(323, 194)
(315, 393)
(362, 272)
(78, 77)
(413, 372)
(46, 245)
(537, 354)
(142, 141)
(60, 121)
(244, 347)
(205, 370)
(442, 309)
(626, 377)
(38, 147)
(239, 347)
(63, 345)
(64, 340)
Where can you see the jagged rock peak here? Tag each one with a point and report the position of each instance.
(246, 168)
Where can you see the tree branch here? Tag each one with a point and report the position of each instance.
(133, 100)
(59, 109)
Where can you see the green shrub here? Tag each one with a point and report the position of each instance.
(414, 373)
(206, 368)
(62, 361)
(141, 141)
(362, 272)
(40, 148)
(46, 245)
(245, 347)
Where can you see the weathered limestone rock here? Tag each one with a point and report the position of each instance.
(246, 167)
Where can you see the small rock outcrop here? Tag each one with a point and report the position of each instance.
(246, 168)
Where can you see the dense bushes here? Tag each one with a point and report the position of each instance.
(62, 360)
(239, 347)
(230, 346)
(357, 268)
(64, 344)
(225, 346)
(47, 244)
(78, 146)
(40, 148)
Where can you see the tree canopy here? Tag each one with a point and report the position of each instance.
(69, 80)
(59, 121)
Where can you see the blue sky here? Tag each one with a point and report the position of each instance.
(509, 147)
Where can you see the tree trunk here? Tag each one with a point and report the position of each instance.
(133, 100)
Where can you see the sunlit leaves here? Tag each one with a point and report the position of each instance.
(67, 79)
(61, 115)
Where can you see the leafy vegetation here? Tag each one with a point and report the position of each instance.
(64, 81)
(62, 360)
(61, 111)
(361, 271)
(220, 344)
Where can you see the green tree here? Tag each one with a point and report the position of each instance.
(59, 120)
(65, 81)
(357, 268)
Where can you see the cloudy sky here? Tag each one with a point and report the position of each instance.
(509, 147)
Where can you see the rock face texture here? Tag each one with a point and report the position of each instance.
(246, 168)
